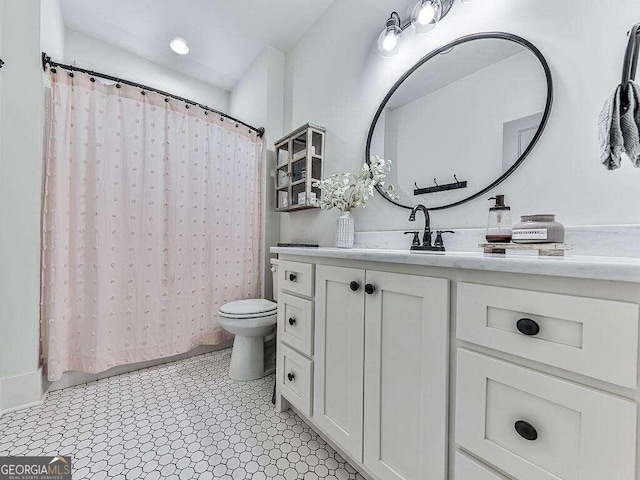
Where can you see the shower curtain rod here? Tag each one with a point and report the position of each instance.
(46, 60)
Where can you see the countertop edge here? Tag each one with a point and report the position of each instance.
(619, 269)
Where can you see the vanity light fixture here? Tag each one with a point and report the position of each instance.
(389, 39)
(424, 17)
(179, 45)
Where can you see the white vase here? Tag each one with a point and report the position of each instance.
(345, 231)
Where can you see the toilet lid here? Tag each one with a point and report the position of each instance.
(252, 307)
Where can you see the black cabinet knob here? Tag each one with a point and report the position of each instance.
(526, 326)
(354, 286)
(526, 430)
(291, 376)
(292, 277)
(292, 321)
(369, 288)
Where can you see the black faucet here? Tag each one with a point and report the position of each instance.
(438, 245)
(426, 237)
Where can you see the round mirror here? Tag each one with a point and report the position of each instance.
(462, 119)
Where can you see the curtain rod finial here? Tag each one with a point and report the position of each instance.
(45, 60)
(260, 132)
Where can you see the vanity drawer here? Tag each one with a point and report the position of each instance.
(295, 322)
(294, 374)
(470, 469)
(593, 337)
(296, 277)
(582, 433)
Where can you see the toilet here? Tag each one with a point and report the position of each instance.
(252, 322)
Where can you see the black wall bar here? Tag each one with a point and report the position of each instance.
(46, 60)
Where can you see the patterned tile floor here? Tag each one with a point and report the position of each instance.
(180, 420)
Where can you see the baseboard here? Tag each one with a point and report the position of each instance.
(28, 390)
(21, 391)
(71, 379)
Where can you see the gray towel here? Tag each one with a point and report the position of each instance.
(619, 131)
(631, 122)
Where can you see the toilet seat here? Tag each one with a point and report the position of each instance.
(252, 308)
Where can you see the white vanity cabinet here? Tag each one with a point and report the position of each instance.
(380, 370)
(425, 372)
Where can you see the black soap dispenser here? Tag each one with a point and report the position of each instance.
(499, 222)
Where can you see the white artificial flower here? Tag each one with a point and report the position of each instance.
(347, 191)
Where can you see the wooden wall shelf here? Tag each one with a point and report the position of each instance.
(300, 162)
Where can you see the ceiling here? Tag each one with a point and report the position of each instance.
(225, 36)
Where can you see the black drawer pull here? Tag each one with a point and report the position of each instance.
(369, 288)
(529, 327)
(291, 376)
(292, 321)
(292, 277)
(526, 430)
(354, 286)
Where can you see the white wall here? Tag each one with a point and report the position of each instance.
(52, 33)
(259, 100)
(337, 79)
(21, 113)
(90, 53)
(249, 98)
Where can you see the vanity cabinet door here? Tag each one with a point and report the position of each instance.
(339, 356)
(406, 365)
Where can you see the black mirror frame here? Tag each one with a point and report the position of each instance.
(438, 51)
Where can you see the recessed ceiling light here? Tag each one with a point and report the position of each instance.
(179, 45)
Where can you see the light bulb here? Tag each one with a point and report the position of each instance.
(426, 15)
(179, 45)
(389, 39)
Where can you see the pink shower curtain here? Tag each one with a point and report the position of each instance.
(151, 222)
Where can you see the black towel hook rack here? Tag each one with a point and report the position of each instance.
(440, 188)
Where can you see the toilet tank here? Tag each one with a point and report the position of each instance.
(274, 272)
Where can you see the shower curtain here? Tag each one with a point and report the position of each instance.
(151, 222)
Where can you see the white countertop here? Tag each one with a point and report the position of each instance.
(625, 269)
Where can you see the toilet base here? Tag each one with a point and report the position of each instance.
(247, 358)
